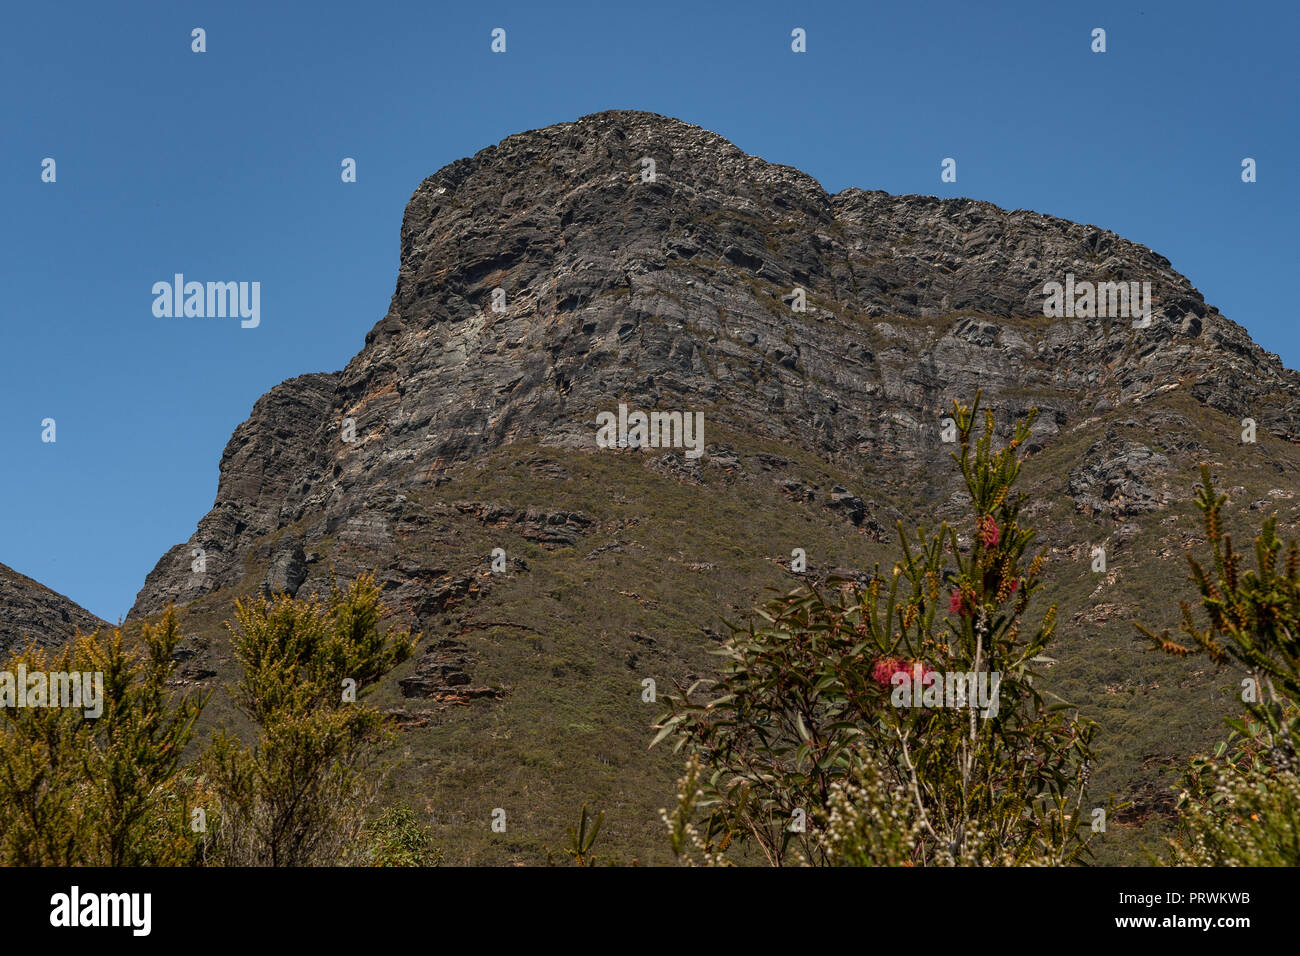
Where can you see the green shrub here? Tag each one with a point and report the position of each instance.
(298, 795)
(1241, 806)
(106, 790)
(397, 838)
(804, 746)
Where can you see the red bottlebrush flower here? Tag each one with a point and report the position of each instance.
(990, 533)
(957, 604)
(885, 668)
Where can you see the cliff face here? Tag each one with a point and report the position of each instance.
(31, 611)
(676, 294)
(472, 427)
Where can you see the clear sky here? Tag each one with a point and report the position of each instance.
(225, 166)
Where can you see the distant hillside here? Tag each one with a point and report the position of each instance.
(32, 611)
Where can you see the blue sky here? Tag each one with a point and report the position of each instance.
(225, 166)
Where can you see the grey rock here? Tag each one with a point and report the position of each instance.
(31, 612)
(676, 295)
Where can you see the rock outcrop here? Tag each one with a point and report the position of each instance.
(678, 293)
(32, 612)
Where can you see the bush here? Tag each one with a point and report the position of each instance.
(106, 790)
(1238, 808)
(807, 743)
(397, 838)
(299, 794)
(1241, 806)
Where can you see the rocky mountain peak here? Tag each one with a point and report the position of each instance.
(632, 258)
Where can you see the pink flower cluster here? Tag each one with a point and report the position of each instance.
(884, 669)
(957, 603)
(990, 533)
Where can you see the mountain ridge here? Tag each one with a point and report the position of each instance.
(881, 220)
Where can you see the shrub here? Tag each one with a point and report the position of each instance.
(298, 795)
(107, 790)
(1241, 806)
(804, 745)
(397, 838)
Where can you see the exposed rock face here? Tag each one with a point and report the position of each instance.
(677, 294)
(267, 464)
(1114, 479)
(31, 611)
(460, 428)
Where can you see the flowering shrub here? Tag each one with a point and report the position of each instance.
(1241, 806)
(795, 751)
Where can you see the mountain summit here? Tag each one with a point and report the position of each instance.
(677, 291)
(626, 264)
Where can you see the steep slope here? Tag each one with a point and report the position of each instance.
(31, 611)
(459, 429)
